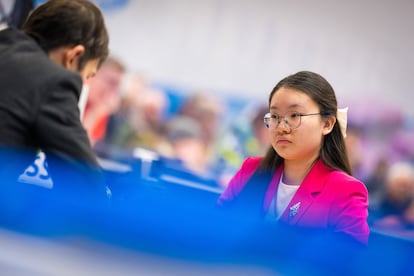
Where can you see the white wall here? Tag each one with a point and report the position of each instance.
(364, 48)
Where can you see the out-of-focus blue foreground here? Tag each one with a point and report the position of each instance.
(158, 208)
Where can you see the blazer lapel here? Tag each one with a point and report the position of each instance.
(311, 186)
(271, 190)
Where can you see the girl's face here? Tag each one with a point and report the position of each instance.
(304, 141)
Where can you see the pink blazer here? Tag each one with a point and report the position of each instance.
(326, 198)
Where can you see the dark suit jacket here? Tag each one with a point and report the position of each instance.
(38, 108)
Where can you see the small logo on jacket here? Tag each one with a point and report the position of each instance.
(294, 209)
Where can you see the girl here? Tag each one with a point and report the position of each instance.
(305, 178)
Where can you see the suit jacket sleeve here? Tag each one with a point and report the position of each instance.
(238, 181)
(350, 211)
(58, 126)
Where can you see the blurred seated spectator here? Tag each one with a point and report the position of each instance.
(188, 145)
(260, 141)
(103, 98)
(241, 140)
(139, 121)
(375, 183)
(396, 211)
(119, 128)
(253, 140)
(353, 142)
(207, 110)
(148, 122)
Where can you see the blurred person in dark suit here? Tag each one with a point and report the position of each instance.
(61, 45)
(354, 148)
(375, 183)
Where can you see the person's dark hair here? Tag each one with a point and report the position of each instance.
(333, 152)
(59, 23)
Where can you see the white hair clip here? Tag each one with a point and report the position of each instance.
(342, 117)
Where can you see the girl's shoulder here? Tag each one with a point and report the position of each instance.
(346, 182)
(252, 161)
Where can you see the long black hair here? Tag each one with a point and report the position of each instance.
(333, 152)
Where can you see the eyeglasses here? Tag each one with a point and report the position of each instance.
(291, 119)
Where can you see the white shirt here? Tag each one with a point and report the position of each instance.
(281, 200)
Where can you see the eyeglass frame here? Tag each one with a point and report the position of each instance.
(279, 119)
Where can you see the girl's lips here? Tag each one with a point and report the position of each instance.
(283, 141)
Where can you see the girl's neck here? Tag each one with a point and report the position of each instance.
(295, 171)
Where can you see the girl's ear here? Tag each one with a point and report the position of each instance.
(328, 125)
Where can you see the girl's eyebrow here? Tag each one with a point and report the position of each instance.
(273, 107)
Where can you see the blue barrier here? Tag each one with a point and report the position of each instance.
(171, 213)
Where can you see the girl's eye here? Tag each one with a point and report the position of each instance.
(294, 115)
